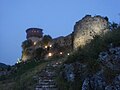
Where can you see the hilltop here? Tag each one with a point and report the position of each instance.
(40, 46)
(87, 59)
(2, 65)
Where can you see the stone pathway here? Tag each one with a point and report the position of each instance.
(47, 76)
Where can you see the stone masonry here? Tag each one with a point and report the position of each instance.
(87, 28)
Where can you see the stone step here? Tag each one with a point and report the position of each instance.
(46, 79)
(46, 89)
(47, 83)
(46, 86)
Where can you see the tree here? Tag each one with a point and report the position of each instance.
(26, 44)
(106, 18)
(113, 26)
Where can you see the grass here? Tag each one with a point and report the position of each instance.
(88, 55)
(23, 78)
(63, 84)
(26, 79)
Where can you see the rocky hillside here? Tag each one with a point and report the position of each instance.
(21, 76)
(32, 75)
(95, 66)
(2, 65)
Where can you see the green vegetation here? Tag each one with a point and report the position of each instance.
(39, 53)
(23, 67)
(26, 44)
(22, 76)
(110, 74)
(91, 50)
(25, 81)
(46, 39)
(88, 55)
(64, 85)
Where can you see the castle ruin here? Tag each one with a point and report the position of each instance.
(87, 28)
(84, 30)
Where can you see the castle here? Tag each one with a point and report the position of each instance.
(34, 35)
(84, 30)
(35, 38)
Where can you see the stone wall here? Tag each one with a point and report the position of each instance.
(35, 39)
(87, 28)
(84, 30)
(34, 32)
(63, 41)
(58, 40)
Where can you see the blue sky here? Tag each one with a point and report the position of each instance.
(55, 17)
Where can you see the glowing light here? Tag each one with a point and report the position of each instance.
(50, 45)
(46, 46)
(68, 54)
(34, 43)
(56, 62)
(61, 53)
(49, 54)
(18, 60)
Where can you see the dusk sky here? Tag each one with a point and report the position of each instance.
(55, 17)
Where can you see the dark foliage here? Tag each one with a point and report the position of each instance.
(46, 39)
(40, 53)
(27, 43)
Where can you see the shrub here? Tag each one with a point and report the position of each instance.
(99, 43)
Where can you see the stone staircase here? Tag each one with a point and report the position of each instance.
(46, 80)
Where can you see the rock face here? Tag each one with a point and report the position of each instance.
(111, 58)
(84, 31)
(105, 78)
(87, 28)
(68, 71)
(97, 82)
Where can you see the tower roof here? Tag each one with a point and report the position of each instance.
(34, 32)
(29, 29)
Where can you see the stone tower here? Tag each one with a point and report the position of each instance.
(35, 34)
(87, 28)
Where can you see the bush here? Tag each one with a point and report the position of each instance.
(99, 43)
(109, 74)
